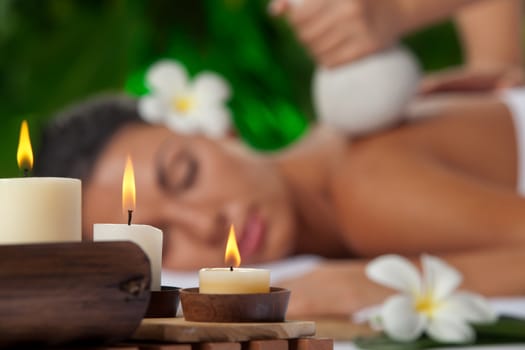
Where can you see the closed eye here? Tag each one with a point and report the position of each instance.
(177, 168)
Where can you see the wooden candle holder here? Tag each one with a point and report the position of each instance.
(163, 303)
(71, 293)
(259, 307)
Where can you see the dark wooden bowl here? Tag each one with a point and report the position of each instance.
(163, 302)
(259, 307)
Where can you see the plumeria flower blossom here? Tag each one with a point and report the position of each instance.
(196, 106)
(427, 303)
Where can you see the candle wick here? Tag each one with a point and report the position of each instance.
(26, 172)
(231, 268)
(130, 214)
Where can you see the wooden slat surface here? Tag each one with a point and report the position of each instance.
(182, 331)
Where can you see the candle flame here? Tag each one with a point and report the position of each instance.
(24, 155)
(232, 251)
(128, 187)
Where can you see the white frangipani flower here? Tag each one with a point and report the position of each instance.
(428, 303)
(186, 106)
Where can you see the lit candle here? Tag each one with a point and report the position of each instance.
(38, 209)
(147, 237)
(233, 280)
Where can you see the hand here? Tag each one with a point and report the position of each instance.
(340, 31)
(335, 289)
(465, 79)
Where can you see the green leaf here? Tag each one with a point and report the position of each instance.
(384, 343)
(505, 330)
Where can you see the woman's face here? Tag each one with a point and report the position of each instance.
(193, 188)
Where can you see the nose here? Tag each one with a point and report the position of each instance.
(207, 224)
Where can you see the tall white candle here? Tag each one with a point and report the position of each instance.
(149, 238)
(34, 210)
(233, 280)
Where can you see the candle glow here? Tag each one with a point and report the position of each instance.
(128, 187)
(24, 154)
(232, 250)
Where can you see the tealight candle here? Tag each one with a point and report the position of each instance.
(38, 209)
(233, 280)
(147, 237)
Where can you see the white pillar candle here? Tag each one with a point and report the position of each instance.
(147, 237)
(34, 210)
(233, 281)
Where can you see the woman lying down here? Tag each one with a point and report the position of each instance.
(448, 186)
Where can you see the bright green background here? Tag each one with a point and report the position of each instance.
(54, 52)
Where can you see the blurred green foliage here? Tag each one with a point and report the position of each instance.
(55, 52)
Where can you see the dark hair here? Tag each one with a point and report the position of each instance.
(74, 139)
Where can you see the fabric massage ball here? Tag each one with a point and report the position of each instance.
(368, 94)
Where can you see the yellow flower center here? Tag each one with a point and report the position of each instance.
(183, 104)
(426, 305)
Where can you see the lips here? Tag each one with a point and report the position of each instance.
(252, 235)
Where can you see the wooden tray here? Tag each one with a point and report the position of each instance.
(181, 331)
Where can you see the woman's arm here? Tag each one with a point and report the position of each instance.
(340, 31)
(492, 45)
(491, 33)
(340, 288)
(417, 14)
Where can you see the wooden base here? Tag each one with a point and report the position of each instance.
(71, 293)
(181, 331)
(309, 343)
